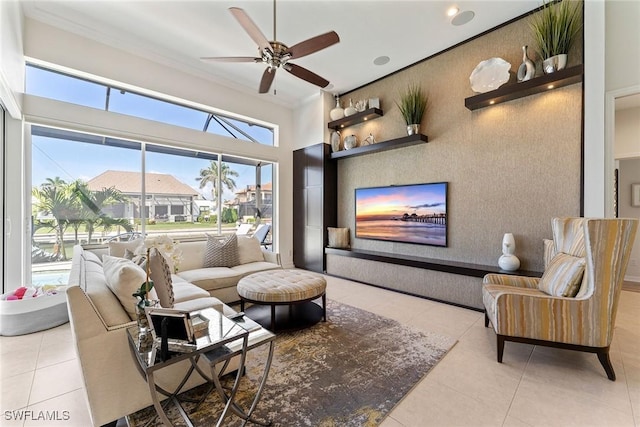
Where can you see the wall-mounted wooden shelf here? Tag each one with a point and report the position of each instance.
(405, 141)
(561, 78)
(354, 119)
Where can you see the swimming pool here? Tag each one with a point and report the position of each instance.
(40, 278)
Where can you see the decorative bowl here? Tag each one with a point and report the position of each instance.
(350, 142)
(489, 75)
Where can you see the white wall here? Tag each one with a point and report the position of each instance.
(11, 84)
(622, 56)
(11, 58)
(630, 174)
(627, 134)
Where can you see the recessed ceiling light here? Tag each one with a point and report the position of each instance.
(452, 11)
(381, 60)
(462, 18)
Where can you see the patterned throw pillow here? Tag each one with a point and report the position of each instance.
(338, 237)
(221, 253)
(160, 273)
(563, 276)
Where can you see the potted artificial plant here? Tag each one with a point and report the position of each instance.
(555, 28)
(413, 105)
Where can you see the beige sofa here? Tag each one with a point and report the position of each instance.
(221, 282)
(114, 387)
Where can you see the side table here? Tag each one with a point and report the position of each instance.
(222, 331)
(258, 336)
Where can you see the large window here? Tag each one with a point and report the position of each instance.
(64, 87)
(88, 189)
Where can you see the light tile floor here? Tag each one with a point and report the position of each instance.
(534, 386)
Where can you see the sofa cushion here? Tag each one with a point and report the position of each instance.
(118, 249)
(185, 291)
(200, 304)
(160, 273)
(91, 257)
(254, 267)
(249, 250)
(124, 278)
(563, 276)
(212, 278)
(221, 253)
(106, 303)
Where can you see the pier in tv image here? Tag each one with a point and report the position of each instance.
(415, 213)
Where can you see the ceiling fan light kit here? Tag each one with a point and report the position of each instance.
(275, 54)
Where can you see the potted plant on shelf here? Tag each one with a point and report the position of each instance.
(555, 28)
(413, 105)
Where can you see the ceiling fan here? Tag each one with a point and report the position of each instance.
(276, 54)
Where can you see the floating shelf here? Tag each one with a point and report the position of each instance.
(405, 141)
(371, 113)
(561, 78)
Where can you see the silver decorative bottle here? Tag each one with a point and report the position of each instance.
(527, 69)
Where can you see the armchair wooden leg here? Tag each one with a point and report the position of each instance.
(500, 347)
(603, 357)
(486, 319)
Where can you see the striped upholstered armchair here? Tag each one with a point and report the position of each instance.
(573, 306)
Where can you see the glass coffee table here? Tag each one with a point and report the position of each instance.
(217, 346)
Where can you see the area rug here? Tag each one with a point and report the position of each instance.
(349, 371)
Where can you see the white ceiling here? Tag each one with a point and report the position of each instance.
(178, 33)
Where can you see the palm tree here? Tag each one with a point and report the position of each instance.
(93, 204)
(210, 175)
(55, 198)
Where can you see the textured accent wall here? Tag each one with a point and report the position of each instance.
(511, 167)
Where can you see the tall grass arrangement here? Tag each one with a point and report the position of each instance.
(413, 104)
(556, 27)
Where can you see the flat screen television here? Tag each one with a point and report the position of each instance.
(415, 213)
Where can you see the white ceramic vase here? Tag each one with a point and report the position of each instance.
(350, 110)
(338, 112)
(554, 63)
(508, 261)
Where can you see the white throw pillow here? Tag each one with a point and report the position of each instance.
(118, 249)
(249, 250)
(124, 278)
(563, 276)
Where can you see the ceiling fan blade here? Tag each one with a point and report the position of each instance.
(250, 27)
(230, 59)
(267, 78)
(314, 44)
(305, 74)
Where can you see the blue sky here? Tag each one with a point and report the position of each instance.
(75, 160)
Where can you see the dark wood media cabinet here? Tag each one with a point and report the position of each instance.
(453, 267)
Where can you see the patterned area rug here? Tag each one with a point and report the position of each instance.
(350, 371)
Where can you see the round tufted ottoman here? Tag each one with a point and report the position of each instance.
(282, 287)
